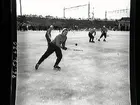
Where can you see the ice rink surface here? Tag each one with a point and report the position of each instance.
(98, 75)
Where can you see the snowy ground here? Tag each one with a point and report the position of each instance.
(98, 75)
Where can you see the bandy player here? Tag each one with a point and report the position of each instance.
(103, 33)
(55, 46)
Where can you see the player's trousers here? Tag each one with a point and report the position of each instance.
(91, 37)
(52, 48)
(103, 34)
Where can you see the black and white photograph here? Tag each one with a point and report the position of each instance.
(73, 52)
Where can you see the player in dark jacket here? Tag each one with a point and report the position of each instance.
(103, 33)
(55, 46)
(91, 36)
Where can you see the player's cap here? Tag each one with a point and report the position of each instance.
(64, 29)
(103, 26)
(51, 26)
(94, 28)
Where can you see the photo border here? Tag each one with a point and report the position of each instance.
(8, 23)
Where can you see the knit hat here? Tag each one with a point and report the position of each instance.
(64, 29)
(51, 26)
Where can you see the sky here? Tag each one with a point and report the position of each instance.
(55, 8)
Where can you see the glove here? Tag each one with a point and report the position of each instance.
(64, 48)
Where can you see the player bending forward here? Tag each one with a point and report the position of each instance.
(91, 36)
(103, 33)
(55, 46)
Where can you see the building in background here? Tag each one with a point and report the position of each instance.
(124, 24)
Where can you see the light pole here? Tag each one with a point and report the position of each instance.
(20, 7)
(89, 10)
(93, 14)
(64, 12)
(105, 15)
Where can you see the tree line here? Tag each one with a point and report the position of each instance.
(27, 22)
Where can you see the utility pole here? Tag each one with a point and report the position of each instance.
(105, 15)
(64, 12)
(93, 14)
(89, 10)
(20, 7)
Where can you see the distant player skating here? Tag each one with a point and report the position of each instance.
(103, 33)
(91, 36)
(48, 34)
(55, 46)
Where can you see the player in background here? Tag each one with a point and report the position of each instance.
(103, 33)
(91, 36)
(48, 34)
(55, 46)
